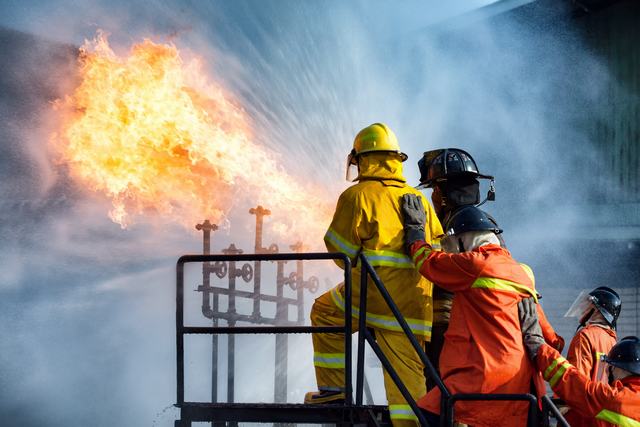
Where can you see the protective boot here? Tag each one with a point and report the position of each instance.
(324, 396)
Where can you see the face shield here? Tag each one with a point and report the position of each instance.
(352, 165)
(581, 306)
(449, 243)
(604, 371)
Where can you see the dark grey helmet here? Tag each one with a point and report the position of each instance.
(447, 163)
(470, 218)
(608, 303)
(625, 355)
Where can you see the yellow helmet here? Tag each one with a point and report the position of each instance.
(376, 137)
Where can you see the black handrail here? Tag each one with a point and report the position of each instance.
(368, 271)
(447, 400)
(181, 329)
(404, 325)
(549, 407)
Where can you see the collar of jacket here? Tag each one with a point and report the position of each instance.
(632, 380)
(380, 167)
(606, 327)
(491, 248)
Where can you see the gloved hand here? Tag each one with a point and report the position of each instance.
(531, 330)
(414, 220)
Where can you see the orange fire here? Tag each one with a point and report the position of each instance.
(151, 132)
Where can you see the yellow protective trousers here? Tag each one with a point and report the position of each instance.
(328, 359)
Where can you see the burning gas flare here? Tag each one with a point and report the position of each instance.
(156, 136)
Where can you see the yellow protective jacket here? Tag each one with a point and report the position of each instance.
(368, 219)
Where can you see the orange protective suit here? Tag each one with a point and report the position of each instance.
(616, 405)
(584, 353)
(483, 350)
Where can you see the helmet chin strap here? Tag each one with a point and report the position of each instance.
(610, 376)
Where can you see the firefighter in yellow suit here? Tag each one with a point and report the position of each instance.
(368, 220)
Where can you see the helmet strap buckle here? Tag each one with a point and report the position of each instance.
(491, 194)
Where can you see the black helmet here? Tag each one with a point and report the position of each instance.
(470, 218)
(625, 355)
(442, 164)
(608, 303)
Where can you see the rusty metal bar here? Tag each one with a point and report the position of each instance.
(200, 330)
(248, 295)
(282, 341)
(299, 283)
(260, 213)
(180, 333)
(207, 227)
(362, 325)
(549, 407)
(204, 258)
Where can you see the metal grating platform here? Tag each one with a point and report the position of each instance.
(283, 413)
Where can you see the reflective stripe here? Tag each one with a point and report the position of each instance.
(329, 360)
(377, 258)
(380, 258)
(402, 412)
(425, 254)
(418, 253)
(503, 285)
(549, 370)
(417, 326)
(617, 419)
(419, 264)
(556, 377)
(341, 243)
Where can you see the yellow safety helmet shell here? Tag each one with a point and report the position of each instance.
(376, 137)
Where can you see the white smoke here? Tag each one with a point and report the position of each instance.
(88, 308)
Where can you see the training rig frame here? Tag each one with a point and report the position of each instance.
(211, 307)
(352, 411)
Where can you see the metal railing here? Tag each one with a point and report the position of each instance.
(448, 400)
(182, 330)
(364, 335)
(550, 408)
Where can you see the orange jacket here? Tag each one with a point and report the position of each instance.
(483, 350)
(616, 405)
(584, 353)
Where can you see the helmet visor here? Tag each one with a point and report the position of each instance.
(580, 306)
(449, 244)
(603, 369)
(352, 165)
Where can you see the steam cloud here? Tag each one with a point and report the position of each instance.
(87, 308)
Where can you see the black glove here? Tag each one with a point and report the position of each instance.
(414, 220)
(531, 330)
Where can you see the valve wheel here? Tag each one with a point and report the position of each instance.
(313, 284)
(247, 273)
(220, 269)
(292, 280)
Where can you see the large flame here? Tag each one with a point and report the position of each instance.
(155, 135)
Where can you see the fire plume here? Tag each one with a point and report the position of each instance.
(155, 135)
